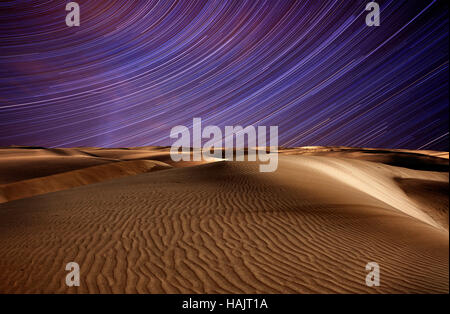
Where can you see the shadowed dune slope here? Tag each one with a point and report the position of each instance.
(224, 227)
(431, 197)
(23, 163)
(71, 179)
(21, 168)
(28, 171)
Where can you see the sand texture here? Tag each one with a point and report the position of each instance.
(136, 222)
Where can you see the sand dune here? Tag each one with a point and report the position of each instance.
(30, 167)
(28, 171)
(413, 159)
(224, 227)
(431, 196)
(74, 178)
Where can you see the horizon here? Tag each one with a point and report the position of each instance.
(222, 147)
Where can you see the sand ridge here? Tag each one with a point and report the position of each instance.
(74, 178)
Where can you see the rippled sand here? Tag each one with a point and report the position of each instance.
(136, 222)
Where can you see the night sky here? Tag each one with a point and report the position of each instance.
(135, 69)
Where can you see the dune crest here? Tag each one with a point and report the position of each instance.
(379, 182)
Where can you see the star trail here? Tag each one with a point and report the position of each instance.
(134, 69)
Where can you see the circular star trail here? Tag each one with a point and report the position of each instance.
(134, 69)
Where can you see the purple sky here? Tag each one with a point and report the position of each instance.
(135, 69)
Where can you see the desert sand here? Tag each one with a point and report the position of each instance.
(136, 222)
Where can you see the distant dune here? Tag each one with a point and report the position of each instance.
(136, 222)
(74, 178)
